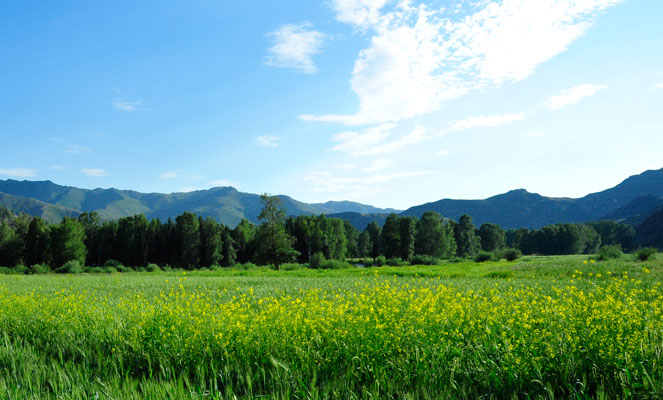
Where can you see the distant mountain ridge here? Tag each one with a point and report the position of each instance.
(226, 204)
(632, 201)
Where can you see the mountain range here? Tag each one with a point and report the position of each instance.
(633, 201)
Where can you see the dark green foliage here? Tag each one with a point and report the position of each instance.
(512, 254)
(396, 262)
(152, 268)
(484, 256)
(492, 237)
(645, 253)
(612, 232)
(71, 267)
(610, 251)
(380, 261)
(468, 244)
(275, 245)
(407, 231)
(244, 236)
(188, 233)
(211, 244)
(391, 238)
(650, 232)
(434, 238)
(352, 240)
(37, 244)
(375, 240)
(229, 251)
(40, 269)
(316, 260)
(424, 260)
(67, 242)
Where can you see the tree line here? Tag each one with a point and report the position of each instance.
(191, 241)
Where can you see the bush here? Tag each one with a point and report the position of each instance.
(153, 268)
(71, 267)
(122, 268)
(395, 262)
(109, 270)
(645, 253)
(291, 266)
(483, 256)
(167, 268)
(610, 251)
(380, 261)
(40, 269)
(424, 260)
(112, 263)
(316, 260)
(95, 270)
(21, 269)
(247, 265)
(512, 254)
(334, 264)
(215, 267)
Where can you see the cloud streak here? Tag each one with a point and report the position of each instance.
(294, 47)
(128, 106)
(572, 96)
(18, 172)
(267, 141)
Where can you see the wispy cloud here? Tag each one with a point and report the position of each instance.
(360, 142)
(443, 153)
(94, 172)
(658, 86)
(267, 140)
(294, 47)
(379, 165)
(18, 172)
(572, 96)
(420, 57)
(169, 175)
(77, 149)
(484, 121)
(128, 106)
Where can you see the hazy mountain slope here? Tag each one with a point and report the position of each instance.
(637, 210)
(650, 232)
(332, 207)
(359, 220)
(49, 212)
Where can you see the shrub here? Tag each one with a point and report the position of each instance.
(167, 268)
(122, 268)
(153, 268)
(316, 260)
(40, 269)
(483, 256)
(645, 253)
(610, 251)
(512, 254)
(396, 262)
(95, 270)
(334, 264)
(291, 266)
(71, 267)
(424, 260)
(21, 269)
(499, 274)
(247, 265)
(112, 263)
(215, 267)
(109, 270)
(380, 261)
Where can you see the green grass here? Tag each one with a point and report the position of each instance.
(539, 327)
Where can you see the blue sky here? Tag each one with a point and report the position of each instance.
(390, 103)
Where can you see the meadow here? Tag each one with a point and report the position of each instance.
(539, 327)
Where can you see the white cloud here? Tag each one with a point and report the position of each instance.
(294, 46)
(484, 121)
(345, 166)
(94, 172)
(443, 153)
(18, 172)
(128, 106)
(379, 165)
(359, 143)
(223, 182)
(534, 134)
(169, 175)
(572, 96)
(418, 58)
(658, 86)
(267, 140)
(77, 149)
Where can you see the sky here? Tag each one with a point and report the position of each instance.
(392, 103)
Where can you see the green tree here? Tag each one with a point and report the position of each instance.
(67, 242)
(434, 238)
(492, 237)
(229, 250)
(374, 236)
(188, 235)
(407, 229)
(352, 238)
(211, 244)
(391, 237)
(468, 244)
(37, 243)
(275, 245)
(244, 236)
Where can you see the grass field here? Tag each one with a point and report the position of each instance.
(540, 327)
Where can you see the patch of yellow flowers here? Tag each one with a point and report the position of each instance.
(423, 326)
